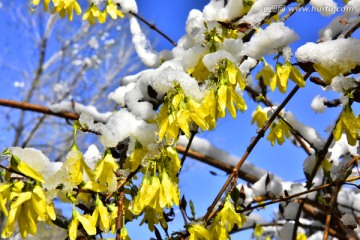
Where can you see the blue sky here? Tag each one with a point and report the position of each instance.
(231, 135)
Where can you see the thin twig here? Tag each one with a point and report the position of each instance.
(153, 27)
(119, 223)
(210, 213)
(185, 153)
(122, 184)
(294, 10)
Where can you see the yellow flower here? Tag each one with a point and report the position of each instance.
(64, 7)
(259, 116)
(278, 132)
(22, 167)
(76, 165)
(258, 230)
(28, 206)
(101, 216)
(349, 124)
(301, 236)
(113, 209)
(4, 196)
(136, 157)
(152, 217)
(266, 74)
(93, 13)
(178, 112)
(199, 232)
(225, 221)
(283, 73)
(112, 10)
(105, 171)
(86, 221)
(46, 3)
(227, 97)
(124, 235)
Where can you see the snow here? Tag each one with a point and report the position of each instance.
(205, 147)
(309, 133)
(325, 7)
(212, 59)
(333, 29)
(261, 9)
(267, 184)
(340, 148)
(39, 162)
(215, 10)
(92, 156)
(233, 46)
(142, 46)
(318, 105)
(353, 7)
(289, 210)
(340, 54)
(195, 25)
(247, 65)
(75, 107)
(286, 231)
(348, 220)
(128, 6)
(341, 83)
(287, 53)
(121, 125)
(269, 41)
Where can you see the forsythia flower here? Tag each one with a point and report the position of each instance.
(93, 13)
(225, 221)
(76, 165)
(259, 116)
(5, 190)
(266, 74)
(28, 206)
(301, 236)
(283, 73)
(156, 193)
(199, 232)
(112, 10)
(178, 112)
(64, 7)
(113, 209)
(101, 216)
(86, 221)
(124, 234)
(223, 95)
(19, 166)
(258, 231)
(151, 217)
(105, 171)
(134, 160)
(46, 3)
(349, 124)
(278, 132)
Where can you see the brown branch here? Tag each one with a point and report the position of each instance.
(153, 27)
(217, 164)
(119, 223)
(233, 176)
(37, 108)
(122, 184)
(185, 153)
(298, 136)
(294, 10)
(287, 198)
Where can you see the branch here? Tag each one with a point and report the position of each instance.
(37, 108)
(153, 27)
(233, 176)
